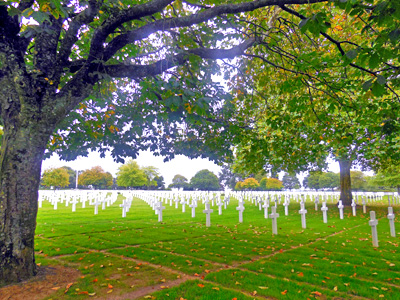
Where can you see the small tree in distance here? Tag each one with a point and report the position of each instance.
(55, 177)
(271, 184)
(290, 181)
(205, 180)
(131, 175)
(96, 177)
(250, 184)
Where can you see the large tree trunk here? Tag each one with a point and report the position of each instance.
(21, 157)
(345, 182)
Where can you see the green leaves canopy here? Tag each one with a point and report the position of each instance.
(55, 177)
(131, 175)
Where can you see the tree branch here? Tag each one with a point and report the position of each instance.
(84, 17)
(140, 71)
(179, 22)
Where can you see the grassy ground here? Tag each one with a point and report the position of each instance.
(181, 258)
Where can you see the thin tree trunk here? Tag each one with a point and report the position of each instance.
(20, 166)
(345, 182)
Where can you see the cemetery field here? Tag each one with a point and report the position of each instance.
(138, 257)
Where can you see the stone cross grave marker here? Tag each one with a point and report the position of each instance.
(316, 202)
(265, 206)
(286, 205)
(390, 217)
(193, 207)
(324, 210)
(240, 208)
(340, 206)
(274, 216)
(373, 222)
(354, 207)
(220, 204)
(124, 206)
(364, 204)
(208, 211)
(303, 212)
(183, 202)
(159, 210)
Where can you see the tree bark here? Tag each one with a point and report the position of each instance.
(20, 167)
(345, 182)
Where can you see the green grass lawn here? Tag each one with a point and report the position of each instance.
(183, 259)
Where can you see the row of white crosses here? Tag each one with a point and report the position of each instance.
(155, 200)
(75, 197)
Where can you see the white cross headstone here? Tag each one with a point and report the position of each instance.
(316, 203)
(353, 207)
(373, 222)
(220, 204)
(364, 204)
(208, 211)
(183, 202)
(274, 217)
(286, 205)
(124, 206)
(265, 206)
(159, 210)
(193, 207)
(240, 208)
(324, 210)
(303, 212)
(74, 202)
(390, 217)
(340, 206)
(96, 207)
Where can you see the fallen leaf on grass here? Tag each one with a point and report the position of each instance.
(200, 285)
(300, 274)
(284, 292)
(55, 288)
(68, 286)
(216, 288)
(95, 280)
(110, 286)
(110, 291)
(83, 293)
(263, 287)
(335, 288)
(254, 293)
(316, 293)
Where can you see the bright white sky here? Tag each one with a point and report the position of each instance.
(179, 165)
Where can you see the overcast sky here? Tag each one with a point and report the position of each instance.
(179, 165)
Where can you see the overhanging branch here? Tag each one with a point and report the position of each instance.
(140, 71)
